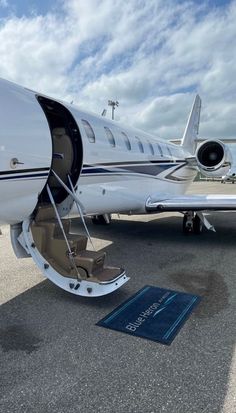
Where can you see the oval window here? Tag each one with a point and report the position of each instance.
(160, 149)
(110, 136)
(140, 145)
(169, 151)
(151, 148)
(88, 130)
(127, 141)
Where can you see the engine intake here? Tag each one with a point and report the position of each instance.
(213, 158)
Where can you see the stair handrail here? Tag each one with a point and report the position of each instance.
(70, 254)
(77, 202)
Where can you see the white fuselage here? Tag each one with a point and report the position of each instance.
(118, 179)
(120, 166)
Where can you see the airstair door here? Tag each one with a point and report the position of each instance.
(64, 258)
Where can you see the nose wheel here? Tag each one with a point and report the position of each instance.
(104, 219)
(192, 224)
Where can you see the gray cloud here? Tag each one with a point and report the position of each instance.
(152, 56)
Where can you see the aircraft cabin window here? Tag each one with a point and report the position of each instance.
(151, 147)
(110, 136)
(140, 145)
(169, 151)
(160, 149)
(127, 141)
(89, 131)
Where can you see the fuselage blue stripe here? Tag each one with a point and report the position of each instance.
(26, 176)
(151, 168)
(148, 169)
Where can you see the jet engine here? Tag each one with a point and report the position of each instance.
(214, 158)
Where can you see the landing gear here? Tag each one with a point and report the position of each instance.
(192, 223)
(197, 225)
(101, 219)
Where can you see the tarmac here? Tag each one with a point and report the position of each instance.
(53, 357)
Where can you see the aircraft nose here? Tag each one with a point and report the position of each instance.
(25, 152)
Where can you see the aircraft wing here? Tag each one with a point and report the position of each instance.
(192, 203)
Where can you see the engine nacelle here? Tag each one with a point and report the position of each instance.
(214, 159)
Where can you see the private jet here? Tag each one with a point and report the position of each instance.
(58, 163)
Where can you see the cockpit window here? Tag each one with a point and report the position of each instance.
(89, 131)
(126, 140)
(110, 136)
(140, 145)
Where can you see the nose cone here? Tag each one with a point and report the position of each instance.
(25, 152)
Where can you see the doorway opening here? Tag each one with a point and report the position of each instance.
(67, 149)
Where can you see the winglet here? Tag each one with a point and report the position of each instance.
(189, 140)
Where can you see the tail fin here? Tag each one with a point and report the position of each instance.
(189, 140)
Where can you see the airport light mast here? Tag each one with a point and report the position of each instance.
(113, 105)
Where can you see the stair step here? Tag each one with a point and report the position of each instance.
(52, 245)
(90, 260)
(107, 274)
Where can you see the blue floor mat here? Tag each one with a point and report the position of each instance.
(153, 313)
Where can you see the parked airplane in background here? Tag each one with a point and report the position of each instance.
(57, 161)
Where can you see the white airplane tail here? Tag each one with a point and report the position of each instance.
(189, 140)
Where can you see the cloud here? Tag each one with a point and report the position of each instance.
(152, 56)
(3, 3)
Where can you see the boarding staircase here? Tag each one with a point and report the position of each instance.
(62, 253)
(69, 257)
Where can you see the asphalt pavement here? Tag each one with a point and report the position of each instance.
(54, 359)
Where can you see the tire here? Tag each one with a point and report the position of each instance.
(197, 225)
(99, 220)
(186, 230)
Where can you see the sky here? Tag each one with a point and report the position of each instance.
(153, 56)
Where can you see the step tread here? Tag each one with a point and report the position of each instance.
(108, 273)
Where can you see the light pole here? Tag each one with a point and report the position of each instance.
(113, 105)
